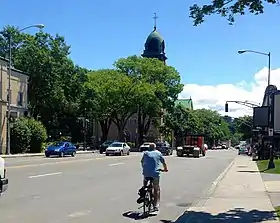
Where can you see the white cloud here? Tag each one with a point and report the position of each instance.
(214, 97)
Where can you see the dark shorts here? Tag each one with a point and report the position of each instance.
(155, 181)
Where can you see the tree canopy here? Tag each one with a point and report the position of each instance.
(228, 9)
(201, 121)
(62, 93)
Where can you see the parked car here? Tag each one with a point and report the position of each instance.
(61, 149)
(3, 176)
(243, 150)
(164, 148)
(144, 146)
(118, 148)
(105, 145)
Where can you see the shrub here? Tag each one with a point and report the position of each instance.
(27, 135)
(20, 136)
(38, 135)
(65, 138)
(131, 144)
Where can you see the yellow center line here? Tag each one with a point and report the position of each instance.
(67, 162)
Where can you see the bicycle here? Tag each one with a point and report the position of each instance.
(149, 195)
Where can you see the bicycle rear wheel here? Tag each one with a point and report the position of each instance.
(147, 206)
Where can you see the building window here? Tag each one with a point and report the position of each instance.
(20, 99)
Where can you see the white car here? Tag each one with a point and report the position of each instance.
(118, 148)
(3, 176)
(144, 146)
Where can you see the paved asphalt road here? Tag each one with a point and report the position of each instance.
(93, 188)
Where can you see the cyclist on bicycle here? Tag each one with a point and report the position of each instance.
(151, 161)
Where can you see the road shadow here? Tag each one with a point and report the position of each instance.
(249, 171)
(135, 215)
(237, 215)
(252, 171)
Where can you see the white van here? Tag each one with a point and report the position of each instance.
(3, 176)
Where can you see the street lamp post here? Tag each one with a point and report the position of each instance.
(265, 54)
(271, 164)
(40, 26)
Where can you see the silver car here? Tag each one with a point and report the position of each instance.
(118, 148)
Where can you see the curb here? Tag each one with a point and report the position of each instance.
(39, 154)
(209, 192)
(213, 187)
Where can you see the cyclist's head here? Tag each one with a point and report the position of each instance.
(152, 146)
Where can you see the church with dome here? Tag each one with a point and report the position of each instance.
(155, 45)
(154, 48)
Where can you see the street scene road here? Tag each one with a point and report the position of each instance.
(96, 188)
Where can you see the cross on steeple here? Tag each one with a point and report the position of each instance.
(155, 18)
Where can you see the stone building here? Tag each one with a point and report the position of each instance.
(19, 103)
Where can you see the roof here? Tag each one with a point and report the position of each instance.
(154, 46)
(14, 69)
(187, 103)
(270, 89)
(4, 59)
(154, 35)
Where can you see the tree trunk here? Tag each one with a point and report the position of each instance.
(105, 127)
(120, 122)
(141, 128)
(120, 127)
(147, 126)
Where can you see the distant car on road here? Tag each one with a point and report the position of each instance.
(144, 146)
(3, 176)
(105, 145)
(242, 150)
(164, 148)
(61, 149)
(118, 148)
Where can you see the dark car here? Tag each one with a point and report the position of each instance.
(164, 148)
(105, 145)
(61, 149)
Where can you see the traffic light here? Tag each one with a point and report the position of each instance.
(226, 107)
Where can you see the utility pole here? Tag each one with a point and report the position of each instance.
(85, 122)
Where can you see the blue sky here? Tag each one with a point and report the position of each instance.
(100, 32)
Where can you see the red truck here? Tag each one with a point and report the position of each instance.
(194, 145)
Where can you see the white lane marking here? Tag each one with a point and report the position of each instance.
(115, 164)
(170, 205)
(79, 214)
(44, 175)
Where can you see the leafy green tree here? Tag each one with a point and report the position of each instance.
(243, 126)
(236, 138)
(163, 79)
(111, 96)
(182, 121)
(228, 9)
(213, 125)
(55, 83)
(97, 100)
(17, 39)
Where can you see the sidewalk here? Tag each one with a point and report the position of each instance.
(42, 154)
(240, 196)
